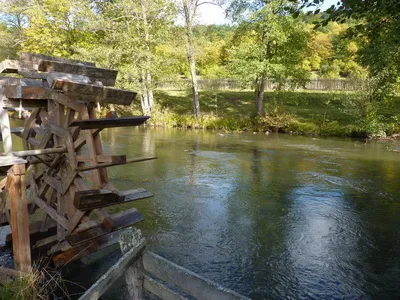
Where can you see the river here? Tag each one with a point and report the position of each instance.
(269, 216)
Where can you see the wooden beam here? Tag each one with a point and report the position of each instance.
(114, 273)
(109, 123)
(103, 158)
(120, 220)
(161, 290)
(51, 212)
(186, 280)
(106, 76)
(27, 92)
(13, 66)
(57, 80)
(37, 152)
(36, 58)
(5, 126)
(92, 199)
(106, 165)
(19, 218)
(84, 249)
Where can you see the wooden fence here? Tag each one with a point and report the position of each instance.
(234, 84)
(146, 271)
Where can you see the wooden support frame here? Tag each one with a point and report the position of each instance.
(19, 218)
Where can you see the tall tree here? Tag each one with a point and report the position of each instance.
(129, 33)
(269, 45)
(189, 11)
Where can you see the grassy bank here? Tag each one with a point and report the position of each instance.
(312, 113)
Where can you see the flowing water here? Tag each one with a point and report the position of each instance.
(269, 216)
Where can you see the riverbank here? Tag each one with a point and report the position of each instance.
(345, 114)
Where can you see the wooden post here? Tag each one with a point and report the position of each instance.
(134, 273)
(5, 126)
(132, 245)
(19, 218)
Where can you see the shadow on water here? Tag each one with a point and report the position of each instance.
(267, 216)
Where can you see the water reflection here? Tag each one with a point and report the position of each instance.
(273, 216)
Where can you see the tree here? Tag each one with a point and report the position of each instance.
(377, 24)
(128, 35)
(270, 45)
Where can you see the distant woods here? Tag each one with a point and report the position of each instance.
(153, 41)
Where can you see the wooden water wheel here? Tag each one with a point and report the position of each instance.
(66, 169)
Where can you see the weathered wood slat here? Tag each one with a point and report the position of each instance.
(107, 165)
(27, 92)
(36, 58)
(36, 152)
(84, 249)
(56, 80)
(13, 66)
(103, 158)
(109, 123)
(106, 76)
(16, 185)
(161, 290)
(51, 212)
(21, 81)
(91, 199)
(95, 93)
(186, 280)
(9, 161)
(114, 273)
(33, 74)
(120, 220)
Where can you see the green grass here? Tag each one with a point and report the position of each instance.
(301, 112)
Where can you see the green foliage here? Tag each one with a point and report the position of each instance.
(270, 45)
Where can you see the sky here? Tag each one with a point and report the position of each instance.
(212, 14)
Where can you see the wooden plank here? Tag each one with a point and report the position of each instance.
(51, 212)
(5, 126)
(9, 161)
(29, 123)
(101, 94)
(27, 92)
(103, 158)
(114, 273)
(36, 58)
(67, 101)
(36, 152)
(33, 74)
(136, 194)
(82, 140)
(109, 123)
(186, 280)
(21, 81)
(161, 290)
(57, 80)
(106, 76)
(84, 249)
(92, 199)
(54, 183)
(13, 66)
(19, 218)
(120, 220)
(106, 165)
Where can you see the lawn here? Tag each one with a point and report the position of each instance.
(303, 112)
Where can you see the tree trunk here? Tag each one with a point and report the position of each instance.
(191, 58)
(147, 99)
(259, 93)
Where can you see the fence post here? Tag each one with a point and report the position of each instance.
(134, 273)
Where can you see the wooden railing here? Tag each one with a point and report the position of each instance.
(234, 84)
(145, 270)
